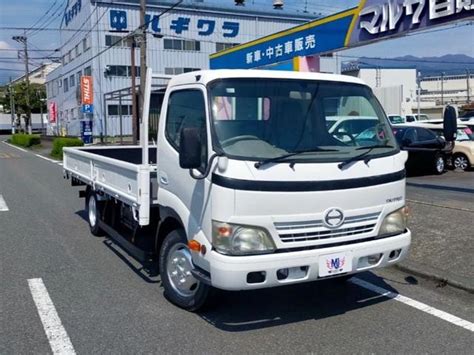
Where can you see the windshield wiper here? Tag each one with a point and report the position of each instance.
(362, 156)
(289, 155)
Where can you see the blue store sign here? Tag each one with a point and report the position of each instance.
(87, 108)
(86, 132)
(306, 40)
(370, 21)
(179, 25)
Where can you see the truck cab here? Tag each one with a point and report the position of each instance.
(254, 190)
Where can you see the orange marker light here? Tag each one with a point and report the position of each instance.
(194, 245)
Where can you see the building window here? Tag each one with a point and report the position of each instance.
(86, 44)
(121, 70)
(88, 71)
(78, 77)
(220, 46)
(71, 81)
(113, 110)
(181, 45)
(176, 71)
(65, 85)
(78, 50)
(71, 55)
(111, 40)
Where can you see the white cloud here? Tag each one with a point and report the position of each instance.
(5, 45)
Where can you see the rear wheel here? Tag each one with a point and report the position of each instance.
(176, 265)
(439, 164)
(93, 214)
(460, 161)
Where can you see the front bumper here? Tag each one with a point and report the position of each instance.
(231, 272)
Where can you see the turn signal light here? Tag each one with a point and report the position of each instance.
(194, 245)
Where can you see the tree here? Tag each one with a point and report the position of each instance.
(37, 95)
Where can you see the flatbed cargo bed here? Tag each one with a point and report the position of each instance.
(118, 172)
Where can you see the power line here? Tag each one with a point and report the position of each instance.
(43, 16)
(130, 35)
(419, 60)
(52, 18)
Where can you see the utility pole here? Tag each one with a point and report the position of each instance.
(143, 48)
(134, 95)
(38, 93)
(442, 89)
(468, 85)
(12, 105)
(23, 39)
(418, 95)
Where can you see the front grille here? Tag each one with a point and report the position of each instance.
(303, 231)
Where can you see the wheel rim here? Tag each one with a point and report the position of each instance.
(460, 162)
(178, 268)
(440, 165)
(92, 211)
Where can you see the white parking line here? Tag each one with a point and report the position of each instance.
(415, 304)
(3, 205)
(57, 336)
(14, 146)
(50, 160)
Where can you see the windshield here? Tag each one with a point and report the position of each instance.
(328, 121)
(396, 119)
(465, 134)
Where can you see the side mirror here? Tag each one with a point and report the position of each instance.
(450, 125)
(190, 148)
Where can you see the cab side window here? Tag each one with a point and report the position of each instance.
(186, 108)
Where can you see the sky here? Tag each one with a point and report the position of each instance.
(26, 13)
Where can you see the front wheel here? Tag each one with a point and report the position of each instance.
(439, 164)
(460, 161)
(176, 265)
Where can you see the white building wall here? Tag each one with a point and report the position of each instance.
(403, 79)
(96, 16)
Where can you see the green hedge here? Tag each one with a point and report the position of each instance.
(60, 143)
(25, 140)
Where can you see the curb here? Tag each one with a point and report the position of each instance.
(432, 273)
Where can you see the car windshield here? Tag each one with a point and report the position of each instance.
(396, 119)
(326, 121)
(465, 134)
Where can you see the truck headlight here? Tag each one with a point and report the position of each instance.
(395, 222)
(234, 239)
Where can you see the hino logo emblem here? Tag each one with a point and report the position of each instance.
(333, 218)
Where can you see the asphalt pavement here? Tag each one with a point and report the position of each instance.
(105, 303)
(441, 221)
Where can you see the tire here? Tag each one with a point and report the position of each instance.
(460, 161)
(175, 265)
(439, 164)
(93, 208)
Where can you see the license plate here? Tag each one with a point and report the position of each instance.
(333, 264)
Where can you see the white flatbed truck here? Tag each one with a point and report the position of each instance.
(247, 188)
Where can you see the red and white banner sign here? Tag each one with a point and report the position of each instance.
(87, 91)
(53, 112)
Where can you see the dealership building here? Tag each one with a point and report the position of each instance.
(180, 40)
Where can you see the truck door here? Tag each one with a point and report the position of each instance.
(186, 196)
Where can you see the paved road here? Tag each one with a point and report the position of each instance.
(107, 305)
